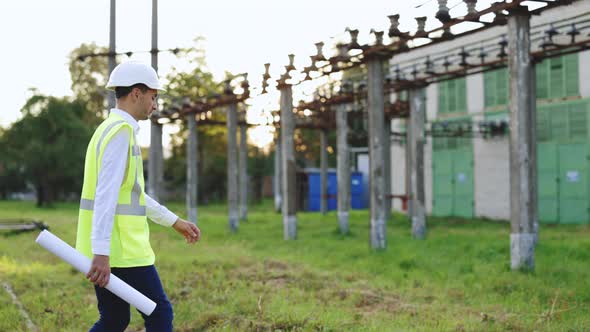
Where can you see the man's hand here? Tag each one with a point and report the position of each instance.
(100, 271)
(190, 231)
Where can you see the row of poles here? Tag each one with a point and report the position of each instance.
(523, 194)
(237, 156)
(524, 225)
(197, 113)
(237, 176)
(379, 156)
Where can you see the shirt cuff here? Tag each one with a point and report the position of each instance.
(168, 218)
(101, 247)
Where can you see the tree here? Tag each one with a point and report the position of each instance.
(196, 83)
(358, 134)
(11, 177)
(89, 78)
(48, 145)
(260, 164)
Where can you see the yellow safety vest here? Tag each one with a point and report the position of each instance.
(130, 243)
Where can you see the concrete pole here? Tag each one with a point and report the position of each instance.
(387, 165)
(278, 179)
(416, 145)
(243, 172)
(112, 50)
(156, 157)
(323, 171)
(375, 77)
(232, 167)
(191, 169)
(408, 170)
(523, 181)
(288, 163)
(343, 168)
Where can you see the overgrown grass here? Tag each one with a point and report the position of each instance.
(458, 279)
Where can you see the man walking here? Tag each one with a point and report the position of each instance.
(112, 224)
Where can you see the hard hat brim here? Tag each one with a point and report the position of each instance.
(112, 87)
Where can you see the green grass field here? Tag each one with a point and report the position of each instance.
(458, 279)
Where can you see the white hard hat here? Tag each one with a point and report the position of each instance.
(133, 72)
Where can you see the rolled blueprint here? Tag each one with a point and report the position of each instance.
(82, 263)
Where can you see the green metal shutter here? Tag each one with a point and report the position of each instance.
(489, 80)
(563, 162)
(556, 80)
(573, 183)
(577, 121)
(452, 96)
(559, 123)
(543, 124)
(463, 180)
(439, 143)
(542, 78)
(571, 74)
(547, 163)
(451, 143)
(502, 86)
(452, 169)
(442, 170)
(461, 93)
(547, 179)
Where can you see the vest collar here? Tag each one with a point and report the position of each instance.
(127, 117)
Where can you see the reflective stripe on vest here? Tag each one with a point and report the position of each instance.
(122, 209)
(133, 209)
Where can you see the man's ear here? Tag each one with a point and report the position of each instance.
(136, 93)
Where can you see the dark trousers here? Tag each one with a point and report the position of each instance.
(115, 313)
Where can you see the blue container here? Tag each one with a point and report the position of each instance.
(332, 191)
(314, 199)
(356, 191)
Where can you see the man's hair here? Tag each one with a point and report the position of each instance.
(122, 91)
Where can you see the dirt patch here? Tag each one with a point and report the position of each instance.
(456, 294)
(368, 300)
(210, 320)
(275, 265)
(288, 325)
(276, 280)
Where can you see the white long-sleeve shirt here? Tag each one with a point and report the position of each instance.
(108, 185)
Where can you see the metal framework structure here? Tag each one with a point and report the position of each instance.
(325, 110)
(514, 50)
(550, 40)
(403, 42)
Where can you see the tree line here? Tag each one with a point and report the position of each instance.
(45, 149)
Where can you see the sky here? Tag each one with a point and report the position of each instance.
(240, 36)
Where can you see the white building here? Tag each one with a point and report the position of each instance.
(470, 176)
